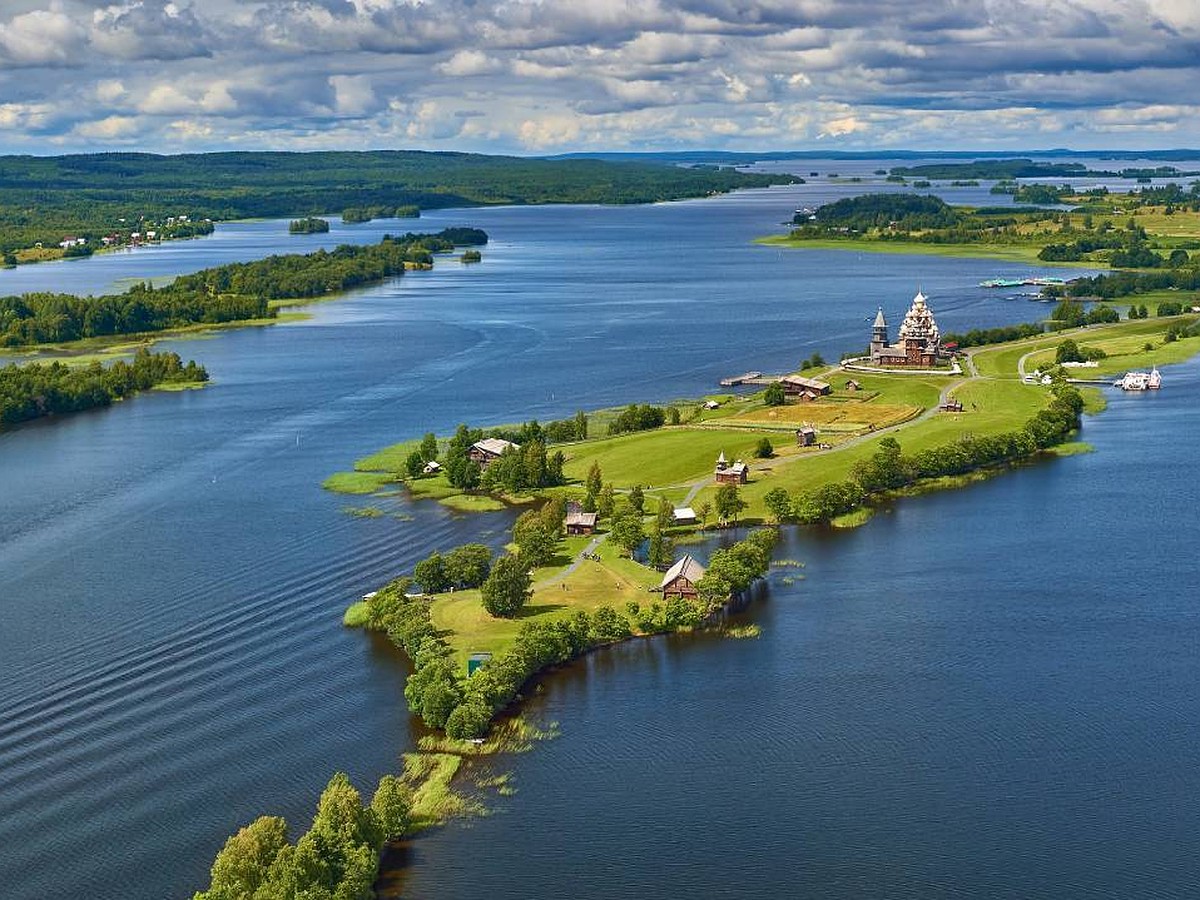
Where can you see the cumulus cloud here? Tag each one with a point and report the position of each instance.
(534, 75)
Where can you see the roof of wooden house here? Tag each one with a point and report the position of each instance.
(687, 568)
(810, 383)
(494, 446)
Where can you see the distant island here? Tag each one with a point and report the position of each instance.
(83, 199)
(308, 225)
(1154, 230)
(235, 293)
(37, 390)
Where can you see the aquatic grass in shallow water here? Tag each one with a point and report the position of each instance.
(356, 482)
(356, 615)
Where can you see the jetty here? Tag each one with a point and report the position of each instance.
(749, 378)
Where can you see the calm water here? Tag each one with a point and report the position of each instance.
(956, 699)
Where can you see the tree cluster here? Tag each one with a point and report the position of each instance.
(352, 215)
(1070, 351)
(732, 570)
(977, 337)
(519, 470)
(638, 417)
(308, 225)
(466, 566)
(1071, 314)
(44, 389)
(336, 859)
(890, 469)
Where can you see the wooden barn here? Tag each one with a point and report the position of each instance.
(802, 388)
(680, 580)
(580, 522)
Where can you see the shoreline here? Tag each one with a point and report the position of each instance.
(1002, 253)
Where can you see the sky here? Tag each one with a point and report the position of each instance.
(535, 77)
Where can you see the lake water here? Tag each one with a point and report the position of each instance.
(955, 700)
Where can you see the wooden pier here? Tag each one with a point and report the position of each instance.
(749, 378)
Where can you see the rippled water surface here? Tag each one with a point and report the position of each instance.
(985, 693)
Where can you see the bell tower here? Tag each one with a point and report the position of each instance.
(879, 334)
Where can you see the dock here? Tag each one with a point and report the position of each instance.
(749, 378)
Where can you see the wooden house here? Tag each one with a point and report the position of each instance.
(680, 580)
(802, 388)
(432, 467)
(852, 385)
(684, 515)
(806, 436)
(580, 522)
(490, 449)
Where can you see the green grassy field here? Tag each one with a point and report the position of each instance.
(612, 581)
(1008, 253)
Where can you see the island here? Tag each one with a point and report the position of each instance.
(614, 500)
(1152, 228)
(36, 390)
(308, 225)
(233, 294)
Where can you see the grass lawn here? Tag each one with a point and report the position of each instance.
(665, 456)
(468, 628)
(1009, 253)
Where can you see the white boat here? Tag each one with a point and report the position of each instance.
(1140, 381)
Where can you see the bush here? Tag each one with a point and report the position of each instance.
(764, 449)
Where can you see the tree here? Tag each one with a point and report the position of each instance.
(779, 503)
(429, 447)
(713, 590)
(704, 510)
(665, 517)
(392, 805)
(627, 530)
(581, 426)
(536, 533)
(729, 502)
(637, 499)
(595, 480)
(673, 412)
(430, 573)
(470, 719)
(606, 501)
(468, 565)
(507, 588)
(764, 449)
(414, 464)
(661, 550)
(775, 395)
(243, 863)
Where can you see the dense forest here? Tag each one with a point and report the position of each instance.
(229, 293)
(35, 390)
(46, 198)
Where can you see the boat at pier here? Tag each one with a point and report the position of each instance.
(1140, 381)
